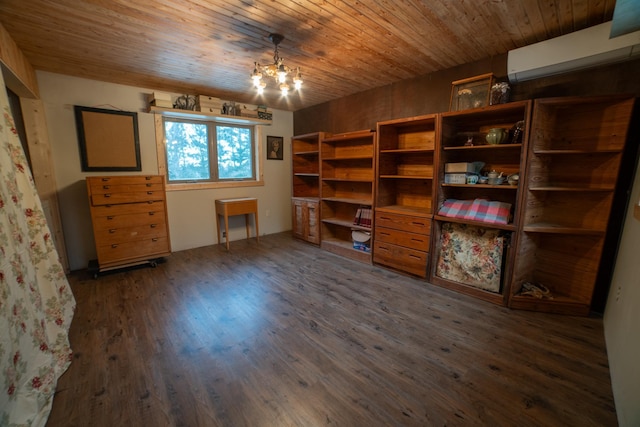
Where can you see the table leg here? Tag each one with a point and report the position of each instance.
(246, 224)
(218, 228)
(226, 228)
(255, 216)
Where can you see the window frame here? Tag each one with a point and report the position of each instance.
(200, 185)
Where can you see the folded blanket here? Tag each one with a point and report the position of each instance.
(477, 210)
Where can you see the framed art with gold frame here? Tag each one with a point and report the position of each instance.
(472, 92)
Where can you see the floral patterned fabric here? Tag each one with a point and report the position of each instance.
(471, 255)
(36, 303)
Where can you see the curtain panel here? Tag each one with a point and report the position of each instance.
(36, 303)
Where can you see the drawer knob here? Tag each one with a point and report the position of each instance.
(149, 192)
(106, 187)
(152, 213)
(109, 217)
(149, 184)
(155, 239)
(105, 179)
(107, 195)
(114, 246)
(147, 178)
(153, 225)
(112, 230)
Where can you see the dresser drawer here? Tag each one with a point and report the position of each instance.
(415, 241)
(128, 220)
(400, 258)
(129, 252)
(97, 181)
(111, 197)
(409, 223)
(150, 207)
(115, 235)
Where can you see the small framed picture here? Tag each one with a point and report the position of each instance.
(274, 147)
(471, 93)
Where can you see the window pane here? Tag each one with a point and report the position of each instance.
(187, 151)
(235, 153)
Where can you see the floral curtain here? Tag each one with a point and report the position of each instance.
(36, 303)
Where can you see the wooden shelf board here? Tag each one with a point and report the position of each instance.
(552, 152)
(547, 227)
(407, 151)
(492, 297)
(347, 179)
(307, 153)
(188, 114)
(484, 147)
(559, 304)
(345, 248)
(345, 223)
(572, 189)
(349, 136)
(346, 158)
(507, 227)
(366, 202)
(405, 177)
(307, 174)
(499, 187)
(406, 210)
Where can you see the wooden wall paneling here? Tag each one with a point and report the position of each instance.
(43, 170)
(19, 74)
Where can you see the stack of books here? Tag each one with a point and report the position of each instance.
(264, 113)
(160, 99)
(209, 104)
(363, 217)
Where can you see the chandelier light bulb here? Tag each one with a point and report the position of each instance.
(297, 80)
(278, 70)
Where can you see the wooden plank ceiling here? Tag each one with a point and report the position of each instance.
(342, 47)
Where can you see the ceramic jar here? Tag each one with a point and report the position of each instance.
(496, 136)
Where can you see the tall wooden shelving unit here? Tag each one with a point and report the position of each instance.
(347, 175)
(574, 157)
(305, 203)
(404, 193)
(509, 158)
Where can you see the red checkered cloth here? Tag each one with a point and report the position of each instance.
(477, 210)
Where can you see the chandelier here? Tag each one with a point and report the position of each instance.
(277, 70)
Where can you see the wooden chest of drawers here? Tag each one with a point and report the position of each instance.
(402, 242)
(129, 216)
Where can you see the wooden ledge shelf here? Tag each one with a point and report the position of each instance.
(200, 115)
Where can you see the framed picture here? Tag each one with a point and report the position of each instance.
(108, 139)
(274, 147)
(471, 93)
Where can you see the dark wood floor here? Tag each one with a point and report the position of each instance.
(282, 333)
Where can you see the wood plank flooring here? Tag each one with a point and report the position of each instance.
(282, 333)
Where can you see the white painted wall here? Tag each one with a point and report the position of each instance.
(622, 319)
(191, 213)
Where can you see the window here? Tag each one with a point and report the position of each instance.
(206, 151)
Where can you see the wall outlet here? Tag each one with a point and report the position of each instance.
(224, 234)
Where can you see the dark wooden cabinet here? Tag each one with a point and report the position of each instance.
(305, 203)
(575, 150)
(347, 176)
(404, 193)
(463, 141)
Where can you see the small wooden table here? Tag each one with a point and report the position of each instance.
(241, 206)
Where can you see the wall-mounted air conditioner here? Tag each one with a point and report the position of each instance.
(578, 50)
